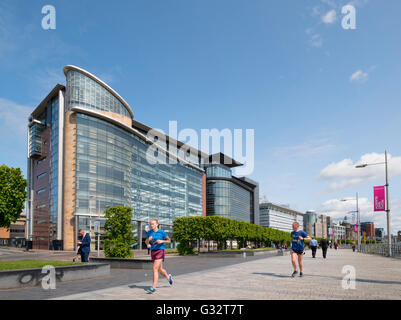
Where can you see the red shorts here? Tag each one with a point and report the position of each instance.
(157, 255)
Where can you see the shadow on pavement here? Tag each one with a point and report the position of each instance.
(336, 278)
(272, 274)
(133, 286)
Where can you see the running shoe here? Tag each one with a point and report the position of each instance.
(151, 290)
(301, 274)
(170, 279)
(294, 274)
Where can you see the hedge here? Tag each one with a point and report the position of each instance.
(220, 229)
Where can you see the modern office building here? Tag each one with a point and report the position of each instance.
(87, 153)
(229, 196)
(279, 217)
(310, 219)
(316, 225)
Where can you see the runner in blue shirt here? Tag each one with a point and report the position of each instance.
(155, 240)
(297, 247)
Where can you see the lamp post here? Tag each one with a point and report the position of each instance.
(357, 220)
(387, 200)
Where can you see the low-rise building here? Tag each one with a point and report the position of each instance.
(279, 217)
(339, 231)
(15, 235)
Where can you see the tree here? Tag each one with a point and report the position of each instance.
(12, 195)
(119, 236)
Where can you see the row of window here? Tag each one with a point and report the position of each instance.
(166, 191)
(83, 91)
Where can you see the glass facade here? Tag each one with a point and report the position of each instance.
(217, 171)
(112, 169)
(53, 108)
(226, 199)
(35, 139)
(85, 92)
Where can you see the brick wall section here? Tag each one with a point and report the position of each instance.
(120, 118)
(70, 127)
(4, 234)
(41, 216)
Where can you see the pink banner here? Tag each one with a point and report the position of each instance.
(356, 228)
(379, 198)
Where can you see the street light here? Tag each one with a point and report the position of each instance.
(358, 220)
(387, 202)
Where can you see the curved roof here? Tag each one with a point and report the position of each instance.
(103, 84)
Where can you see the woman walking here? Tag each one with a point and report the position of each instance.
(155, 241)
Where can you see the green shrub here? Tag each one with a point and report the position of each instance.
(184, 248)
(119, 237)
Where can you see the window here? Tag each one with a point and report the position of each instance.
(42, 175)
(40, 206)
(41, 191)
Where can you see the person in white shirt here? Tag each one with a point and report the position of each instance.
(313, 245)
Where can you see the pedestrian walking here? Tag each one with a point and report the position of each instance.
(324, 245)
(335, 245)
(84, 245)
(331, 245)
(353, 246)
(313, 245)
(297, 248)
(155, 240)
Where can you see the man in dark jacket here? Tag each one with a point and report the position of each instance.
(85, 245)
(324, 244)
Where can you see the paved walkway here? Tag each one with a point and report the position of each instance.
(376, 278)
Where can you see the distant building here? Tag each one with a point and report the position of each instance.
(310, 220)
(278, 217)
(339, 232)
(349, 229)
(369, 228)
(379, 234)
(316, 225)
(15, 235)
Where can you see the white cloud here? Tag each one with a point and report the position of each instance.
(315, 39)
(359, 76)
(306, 149)
(338, 209)
(348, 175)
(13, 119)
(329, 17)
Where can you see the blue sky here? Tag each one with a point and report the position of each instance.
(314, 93)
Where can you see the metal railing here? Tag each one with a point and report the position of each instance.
(382, 249)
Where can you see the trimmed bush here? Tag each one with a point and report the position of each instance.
(119, 236)
(220, 229)
(184, 248)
